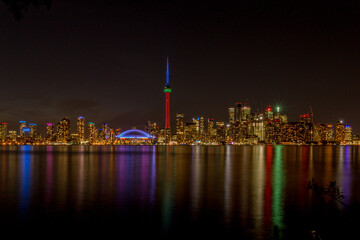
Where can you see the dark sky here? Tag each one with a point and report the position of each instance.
(105, 60)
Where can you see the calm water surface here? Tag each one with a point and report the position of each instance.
(177, 192)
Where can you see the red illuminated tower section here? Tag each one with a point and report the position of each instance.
(167, 91)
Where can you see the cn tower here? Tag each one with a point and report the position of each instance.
(167, 91)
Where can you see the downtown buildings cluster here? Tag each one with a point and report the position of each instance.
(243, 127)
(59, 133)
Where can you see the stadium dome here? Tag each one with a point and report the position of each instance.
(134, 134)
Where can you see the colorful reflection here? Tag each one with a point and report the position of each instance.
(219, 191)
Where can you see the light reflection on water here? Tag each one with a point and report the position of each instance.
(173, 191)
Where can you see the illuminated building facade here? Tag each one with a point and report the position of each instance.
(211, 131)
(22, 125)
(220, 132)
(348, 134)
(340, 132)
(50, 131)
(3, 131)
(80, 128)
(231, 115)
(180, 127)
(12, 136)
(32, 127)
(63, 130)
(92, 133)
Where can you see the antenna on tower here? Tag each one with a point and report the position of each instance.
(312, 114)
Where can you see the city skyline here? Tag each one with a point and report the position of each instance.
(91, 57)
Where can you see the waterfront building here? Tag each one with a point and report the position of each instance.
(258, 127)
(148, 127)
(231, 115)
(220, 132)
(340, 132)
(348, 134)
(329, 132)
(50, 131)
(155, 130)
(63, 130)
(3, 131)
(269, 114)
(32, 127)
(12, 136)
(22, 125)
(211, 131)
(246, 112)
(238, 111)
(202, 133)
(180, 127)
(190, 133)
(80, 128)
(92, 133)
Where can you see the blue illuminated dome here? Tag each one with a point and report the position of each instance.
(135, 133)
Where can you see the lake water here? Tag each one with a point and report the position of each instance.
(177, 192)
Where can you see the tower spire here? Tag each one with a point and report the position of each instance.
(167, 72)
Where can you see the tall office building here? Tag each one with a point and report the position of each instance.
(259, 127)
(3, 131)
(231, 115)
(211, 131)
(22, 126)
(50, 131)
(190, 133)
(12, 136)
(202, 129)
(180, 127)
(167, 91)
(269, 115)
(32, 130)
(92, 132)
(329, 132)
(340, 132)
(220, 132)
(80, 128)
(348, 134)
(148, 127)
(63, 130)
(196, 122)
(238, 112)
(246, 111)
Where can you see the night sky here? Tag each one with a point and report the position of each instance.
(106, 60)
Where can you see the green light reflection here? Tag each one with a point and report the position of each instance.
(278, 194)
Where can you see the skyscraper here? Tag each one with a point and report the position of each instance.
(340, 132)
(231, 115)
(32, 130)
(92, 133)
(63, 130)
(22, 125)
(238, 112)
(348, 134)
(167, 91)
(80, 128)
(180, 127)
(50, 131)
(3, 131)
